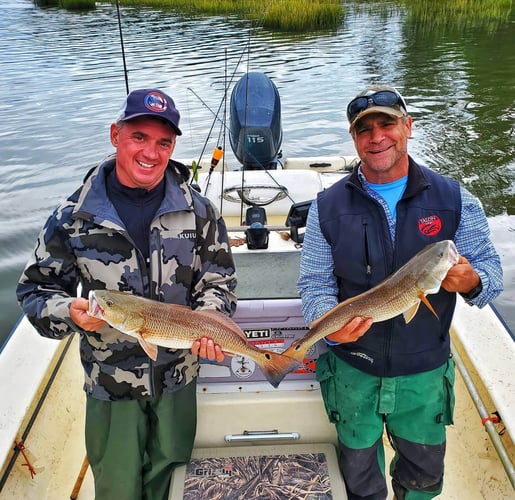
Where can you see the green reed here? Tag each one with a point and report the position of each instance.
(67, 4)
(310, 15)
(285, 15)
(459, 13)
(293, 15)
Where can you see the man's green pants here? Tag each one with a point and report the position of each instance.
(133, 446)
(413, 409)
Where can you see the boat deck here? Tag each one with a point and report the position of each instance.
(56, 443)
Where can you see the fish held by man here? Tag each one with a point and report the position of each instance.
(175, 326)
(400, 293)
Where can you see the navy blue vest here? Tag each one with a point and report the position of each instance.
(355, 226)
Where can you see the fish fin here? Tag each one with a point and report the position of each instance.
(409, 314)
(224, 320)
(297, 350)
(149, 348)
(315, 322)
(276, 366)
(424, 299)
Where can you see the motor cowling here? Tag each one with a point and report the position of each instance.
(255, 131)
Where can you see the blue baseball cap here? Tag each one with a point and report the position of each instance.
(151, 102)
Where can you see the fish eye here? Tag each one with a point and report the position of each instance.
(109, 303)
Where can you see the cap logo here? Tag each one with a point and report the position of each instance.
(156, 102)
(430, 226)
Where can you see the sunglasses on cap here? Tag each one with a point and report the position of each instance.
(387, 98)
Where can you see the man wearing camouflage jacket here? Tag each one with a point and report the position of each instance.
(134, 225)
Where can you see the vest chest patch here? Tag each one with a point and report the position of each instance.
(430, 226)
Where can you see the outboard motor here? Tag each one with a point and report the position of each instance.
(255, 129)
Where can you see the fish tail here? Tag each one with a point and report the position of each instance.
(276, 366)
(297, 350)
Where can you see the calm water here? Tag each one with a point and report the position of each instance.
(61, 84)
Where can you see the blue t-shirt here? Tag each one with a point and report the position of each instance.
(391, 192)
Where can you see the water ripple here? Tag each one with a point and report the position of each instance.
(62, 82)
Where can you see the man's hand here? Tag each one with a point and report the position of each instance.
(206, 348)
(461, 277)
(352, 331)
(79, 315)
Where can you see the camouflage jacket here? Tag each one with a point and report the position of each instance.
(84, 246)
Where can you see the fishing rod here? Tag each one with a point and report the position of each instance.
(123, 48)
(207, 106)
(218, 151)
(248, 154)
(216, 117)
(226, 88)
(245, 121)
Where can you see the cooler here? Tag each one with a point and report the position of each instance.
(268, 324)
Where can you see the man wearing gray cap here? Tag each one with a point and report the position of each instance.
(391, 375)
(134, 225)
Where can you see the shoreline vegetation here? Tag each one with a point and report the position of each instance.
(281, 15)
(302, 16)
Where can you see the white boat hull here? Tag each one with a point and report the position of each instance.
(238, 413)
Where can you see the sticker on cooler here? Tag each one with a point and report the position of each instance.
(244, 367)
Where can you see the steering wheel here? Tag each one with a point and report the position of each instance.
(255, 194)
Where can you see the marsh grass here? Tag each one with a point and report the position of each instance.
(67, 4)
(486, 14)
(285, 15)
(312, 15)
(77, 4)
(292, 15)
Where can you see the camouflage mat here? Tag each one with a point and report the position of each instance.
(293, 477)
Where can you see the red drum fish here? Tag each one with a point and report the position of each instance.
(174, 326)
(400, 293)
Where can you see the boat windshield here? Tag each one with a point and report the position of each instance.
(267, 275)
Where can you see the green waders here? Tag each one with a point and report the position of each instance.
(133, 446)
(414, 410)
